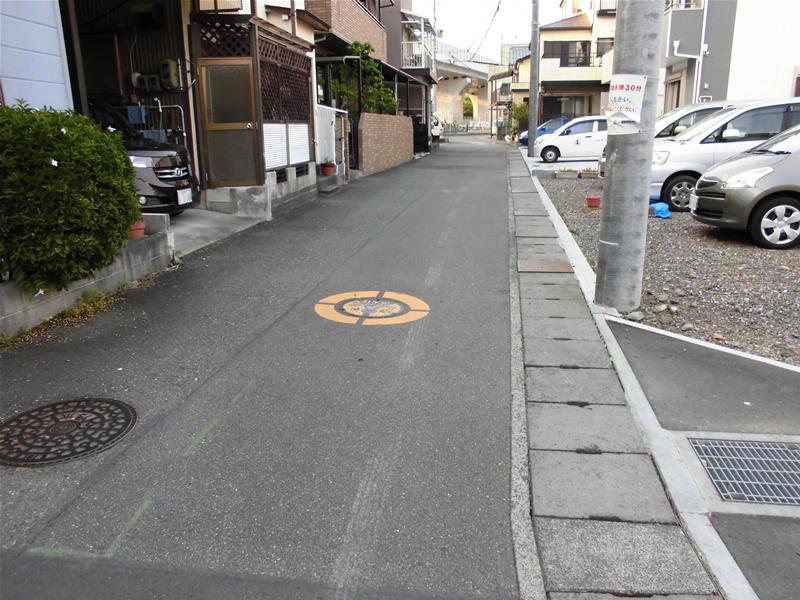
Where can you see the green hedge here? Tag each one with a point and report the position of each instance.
(67, 197)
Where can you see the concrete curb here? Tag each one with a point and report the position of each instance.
(686, 498)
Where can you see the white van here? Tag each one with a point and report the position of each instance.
(581, 138)
(437, 128)
(678, 162)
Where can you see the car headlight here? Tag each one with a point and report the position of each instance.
(141, 162)
(659, 158)
(746, 179)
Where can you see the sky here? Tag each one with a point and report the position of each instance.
(465, 21)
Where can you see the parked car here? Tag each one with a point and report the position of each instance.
(676, 121)
(581, 138)
(757, 191)
(437, 128)
(679, 161)
(164, 181)
(548, 126)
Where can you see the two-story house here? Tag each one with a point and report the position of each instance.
(571, 57)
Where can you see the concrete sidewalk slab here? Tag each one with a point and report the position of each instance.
(561, 308)
(530, 279)
(541, 231)
(623, 558)
(566, 353)
(533, 221)
(562, 329)
(693, 387)
(198, 228)
(522, 184)
(530, 211)
(604, 486)
(595, 386)
(550, 292)
(591, 429)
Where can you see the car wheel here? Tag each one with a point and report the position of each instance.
(550, 154)
(678, 191)
(776, 223)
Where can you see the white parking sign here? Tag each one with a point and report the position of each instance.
(624, 109)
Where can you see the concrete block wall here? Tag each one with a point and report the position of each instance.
(384, 141)
(263, 201)
(19, 310)
(351, 21)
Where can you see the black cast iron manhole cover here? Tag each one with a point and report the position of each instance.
(64, 431)
(751, 471)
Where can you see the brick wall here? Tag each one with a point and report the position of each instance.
(384, 141)
(352, 22)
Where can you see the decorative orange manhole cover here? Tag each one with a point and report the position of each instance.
(372, 308)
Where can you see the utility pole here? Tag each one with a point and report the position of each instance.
(533, 88)
(623, 226)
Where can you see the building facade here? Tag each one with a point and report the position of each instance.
(729, 50)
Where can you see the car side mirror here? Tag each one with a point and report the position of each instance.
(566, 132)
(679, 129)
(732, 134)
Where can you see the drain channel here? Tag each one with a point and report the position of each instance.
(750, 471)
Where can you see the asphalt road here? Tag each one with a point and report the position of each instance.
(279, 454)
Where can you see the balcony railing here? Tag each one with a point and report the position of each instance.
(579, 60)
(417, 55)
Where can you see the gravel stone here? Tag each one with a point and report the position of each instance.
(635, 316)
(748, 293)
(659, 308)
(687, 327)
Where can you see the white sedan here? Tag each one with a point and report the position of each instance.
(581, 138)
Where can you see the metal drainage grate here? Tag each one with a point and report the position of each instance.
(747, 471)
(64, 431)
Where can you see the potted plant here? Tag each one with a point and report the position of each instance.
(328, 168)
(589, 174)
(136, 230)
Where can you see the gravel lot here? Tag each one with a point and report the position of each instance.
(701, 281)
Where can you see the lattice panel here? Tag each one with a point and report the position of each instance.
(294, 95)
(222, 40)
(268, 50)
(271, 92)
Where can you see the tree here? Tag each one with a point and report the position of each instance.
(375, 96)
(468, 108)
(519, 113)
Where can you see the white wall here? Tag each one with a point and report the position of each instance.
(33, 64)
(766, 50)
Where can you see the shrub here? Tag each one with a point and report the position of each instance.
(375, 96)
(67, 197)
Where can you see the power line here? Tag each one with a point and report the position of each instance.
(485, 33)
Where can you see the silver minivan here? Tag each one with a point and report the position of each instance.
(676, 121)
(678, 162)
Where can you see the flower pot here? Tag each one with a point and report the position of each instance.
(593, 201)
(136, 231)
(328, 169)
(589, 175)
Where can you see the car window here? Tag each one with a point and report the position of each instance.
(793, 116)
(701, 126)
(686, 121)
(551, 124)
(756, 124)
(582, 127)
(602, 125)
